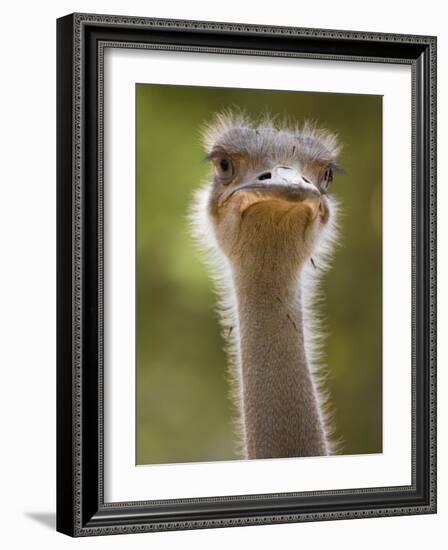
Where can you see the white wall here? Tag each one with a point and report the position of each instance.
(27, 306)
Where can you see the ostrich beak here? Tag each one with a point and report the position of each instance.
(281, 183)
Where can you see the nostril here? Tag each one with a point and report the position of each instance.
(265, 176)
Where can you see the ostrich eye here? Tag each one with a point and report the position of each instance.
(224, 169)
(326, 180)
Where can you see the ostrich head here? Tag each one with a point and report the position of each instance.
(269, 196)
(265, 216)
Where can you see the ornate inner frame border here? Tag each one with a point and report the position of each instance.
(81, 40)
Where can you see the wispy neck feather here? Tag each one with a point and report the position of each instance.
(273, 343)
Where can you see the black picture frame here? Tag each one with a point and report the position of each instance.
(81, 510)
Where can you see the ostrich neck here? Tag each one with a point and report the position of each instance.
(280, 406)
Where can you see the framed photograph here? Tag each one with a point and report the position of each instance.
(246, 274)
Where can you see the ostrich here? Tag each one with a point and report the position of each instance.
(268, 224)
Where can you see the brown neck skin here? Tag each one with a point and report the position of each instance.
(280, 407)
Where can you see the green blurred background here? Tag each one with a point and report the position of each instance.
(183, 410)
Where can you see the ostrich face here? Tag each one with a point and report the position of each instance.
(270, 189)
